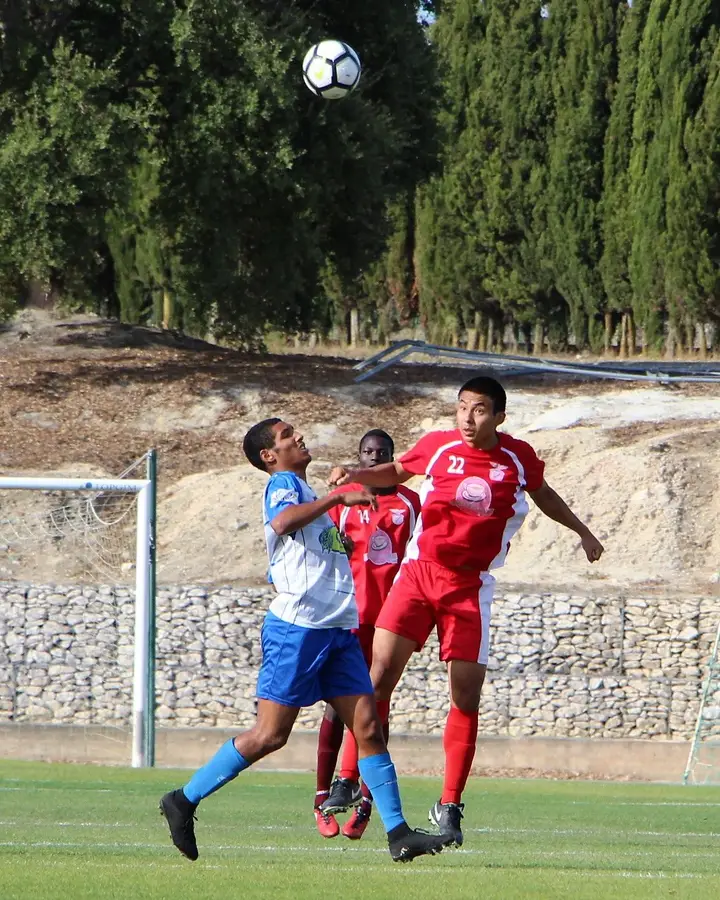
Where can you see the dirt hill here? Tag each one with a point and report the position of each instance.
(84, 396)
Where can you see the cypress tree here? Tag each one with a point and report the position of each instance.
(584, 63)
(616, 213)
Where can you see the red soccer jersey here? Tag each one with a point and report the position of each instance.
(379, 540)
(473, 501)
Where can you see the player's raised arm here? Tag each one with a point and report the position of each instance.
(554, 507)
(294, 517)
(385, 475)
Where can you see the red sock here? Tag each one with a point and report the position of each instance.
(329, 743)
(459, 742)
(349, 765)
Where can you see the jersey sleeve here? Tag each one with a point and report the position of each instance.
(417, 458)
(283, 490)
(532, 464)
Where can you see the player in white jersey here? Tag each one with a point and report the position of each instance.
(309, 650)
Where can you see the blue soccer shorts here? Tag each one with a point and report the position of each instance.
(303, 665)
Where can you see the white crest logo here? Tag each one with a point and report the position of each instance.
(497, 472)
(397, 516)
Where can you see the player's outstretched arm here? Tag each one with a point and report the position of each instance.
(552, 504)
(295, 517)
(384, 475)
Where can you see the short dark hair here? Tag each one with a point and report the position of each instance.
(489, 387)
(378, 433)
(259, 437)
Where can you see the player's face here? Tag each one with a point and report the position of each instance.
(476, 420)
(289, 449)
(374, 451)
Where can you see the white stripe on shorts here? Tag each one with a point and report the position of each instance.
(485, 598)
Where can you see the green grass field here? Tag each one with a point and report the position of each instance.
(76, 832)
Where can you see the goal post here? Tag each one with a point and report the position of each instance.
(703, 764)
(143, 685)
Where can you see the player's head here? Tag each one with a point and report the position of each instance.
(376, 447)
(275, 446)
(480, 409)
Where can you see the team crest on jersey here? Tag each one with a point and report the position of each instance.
(497, 472)
(397, 516)
(330, 540)
(380, 551)
(283, 495)
(474, 495)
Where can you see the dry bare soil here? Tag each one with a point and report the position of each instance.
(83, 396)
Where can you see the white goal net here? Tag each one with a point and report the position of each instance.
(703, 766)
(76, 566)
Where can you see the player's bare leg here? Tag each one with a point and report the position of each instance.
(459, 741)
(377, 770)
(271, 730)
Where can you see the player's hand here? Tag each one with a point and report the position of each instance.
(359, 498)
(348, 543)
(338, 476)
(592, 547)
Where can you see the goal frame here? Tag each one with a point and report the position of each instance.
(143, 706)
(712, 672)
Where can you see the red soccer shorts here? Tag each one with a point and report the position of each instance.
(425, 594)
(365, 634)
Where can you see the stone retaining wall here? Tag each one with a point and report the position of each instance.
(560, 665)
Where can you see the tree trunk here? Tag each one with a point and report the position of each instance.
(354, 327)
(701, 340)
(538, 339)
(490, 336)
(481, 332)
(167, 307)
(608, 334)
(671, 341)
(689, 338)
(622, 345)
(630, 336)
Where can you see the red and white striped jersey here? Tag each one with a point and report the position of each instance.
(473, 501)
(379, 539)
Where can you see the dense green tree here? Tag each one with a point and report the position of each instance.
(616, 211)
(583, 59)
(692, 37)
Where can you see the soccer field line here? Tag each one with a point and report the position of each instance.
(215, 827)
(339, 848)
(643, 803)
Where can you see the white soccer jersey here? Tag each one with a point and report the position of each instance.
(309, 568)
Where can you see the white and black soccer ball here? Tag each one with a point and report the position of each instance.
(331, 69)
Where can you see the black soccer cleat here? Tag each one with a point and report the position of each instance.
(447, 817)
(406, 843)
(179, 813)
(344, 793)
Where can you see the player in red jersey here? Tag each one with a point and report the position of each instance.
(376, 542)
(473, 503)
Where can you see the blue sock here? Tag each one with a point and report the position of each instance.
(223, 767)
(378, 773)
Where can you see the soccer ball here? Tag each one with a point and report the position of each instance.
(331, 69)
